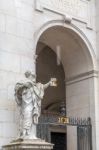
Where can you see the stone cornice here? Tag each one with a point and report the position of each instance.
(70, 10)
(82, 76)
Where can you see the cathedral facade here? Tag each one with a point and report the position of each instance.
(52, 38)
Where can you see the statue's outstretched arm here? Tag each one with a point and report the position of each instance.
(52, 82)
(46, 85)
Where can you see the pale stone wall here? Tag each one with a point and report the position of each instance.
(16, 56)
(80, 103)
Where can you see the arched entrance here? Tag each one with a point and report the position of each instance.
(78, 69)
(46, 68)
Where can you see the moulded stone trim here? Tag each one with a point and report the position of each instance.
(82, 76)
(41, 6)
(38, 6)
(29, 144)
(72, 27)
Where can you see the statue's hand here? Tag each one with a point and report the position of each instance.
(53, 82)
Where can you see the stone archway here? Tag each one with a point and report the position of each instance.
(79, 71)
(74, 29)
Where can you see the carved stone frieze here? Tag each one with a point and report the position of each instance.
(76, 9)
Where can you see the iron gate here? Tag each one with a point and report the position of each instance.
(84, 129)
(84, 137)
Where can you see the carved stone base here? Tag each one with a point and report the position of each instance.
(27, 144)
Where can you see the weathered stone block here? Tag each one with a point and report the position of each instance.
(9, 62)
(2, 22)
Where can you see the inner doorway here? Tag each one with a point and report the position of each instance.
(59, 140)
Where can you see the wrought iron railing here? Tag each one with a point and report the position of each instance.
(84, 128)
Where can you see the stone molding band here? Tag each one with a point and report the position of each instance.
(82, 76)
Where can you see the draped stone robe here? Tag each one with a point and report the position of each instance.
(28, 96)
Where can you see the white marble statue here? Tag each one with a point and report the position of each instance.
(28, 95)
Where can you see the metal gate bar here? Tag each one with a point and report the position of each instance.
(84, 129)
(84, 137)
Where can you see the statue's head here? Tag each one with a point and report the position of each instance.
(30, 75)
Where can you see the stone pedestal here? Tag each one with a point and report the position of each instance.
(36, 144)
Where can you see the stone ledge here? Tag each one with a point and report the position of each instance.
(36, 144)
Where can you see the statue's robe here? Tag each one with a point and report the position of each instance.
(28, 96)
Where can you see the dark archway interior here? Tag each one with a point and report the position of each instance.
(47, 68)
